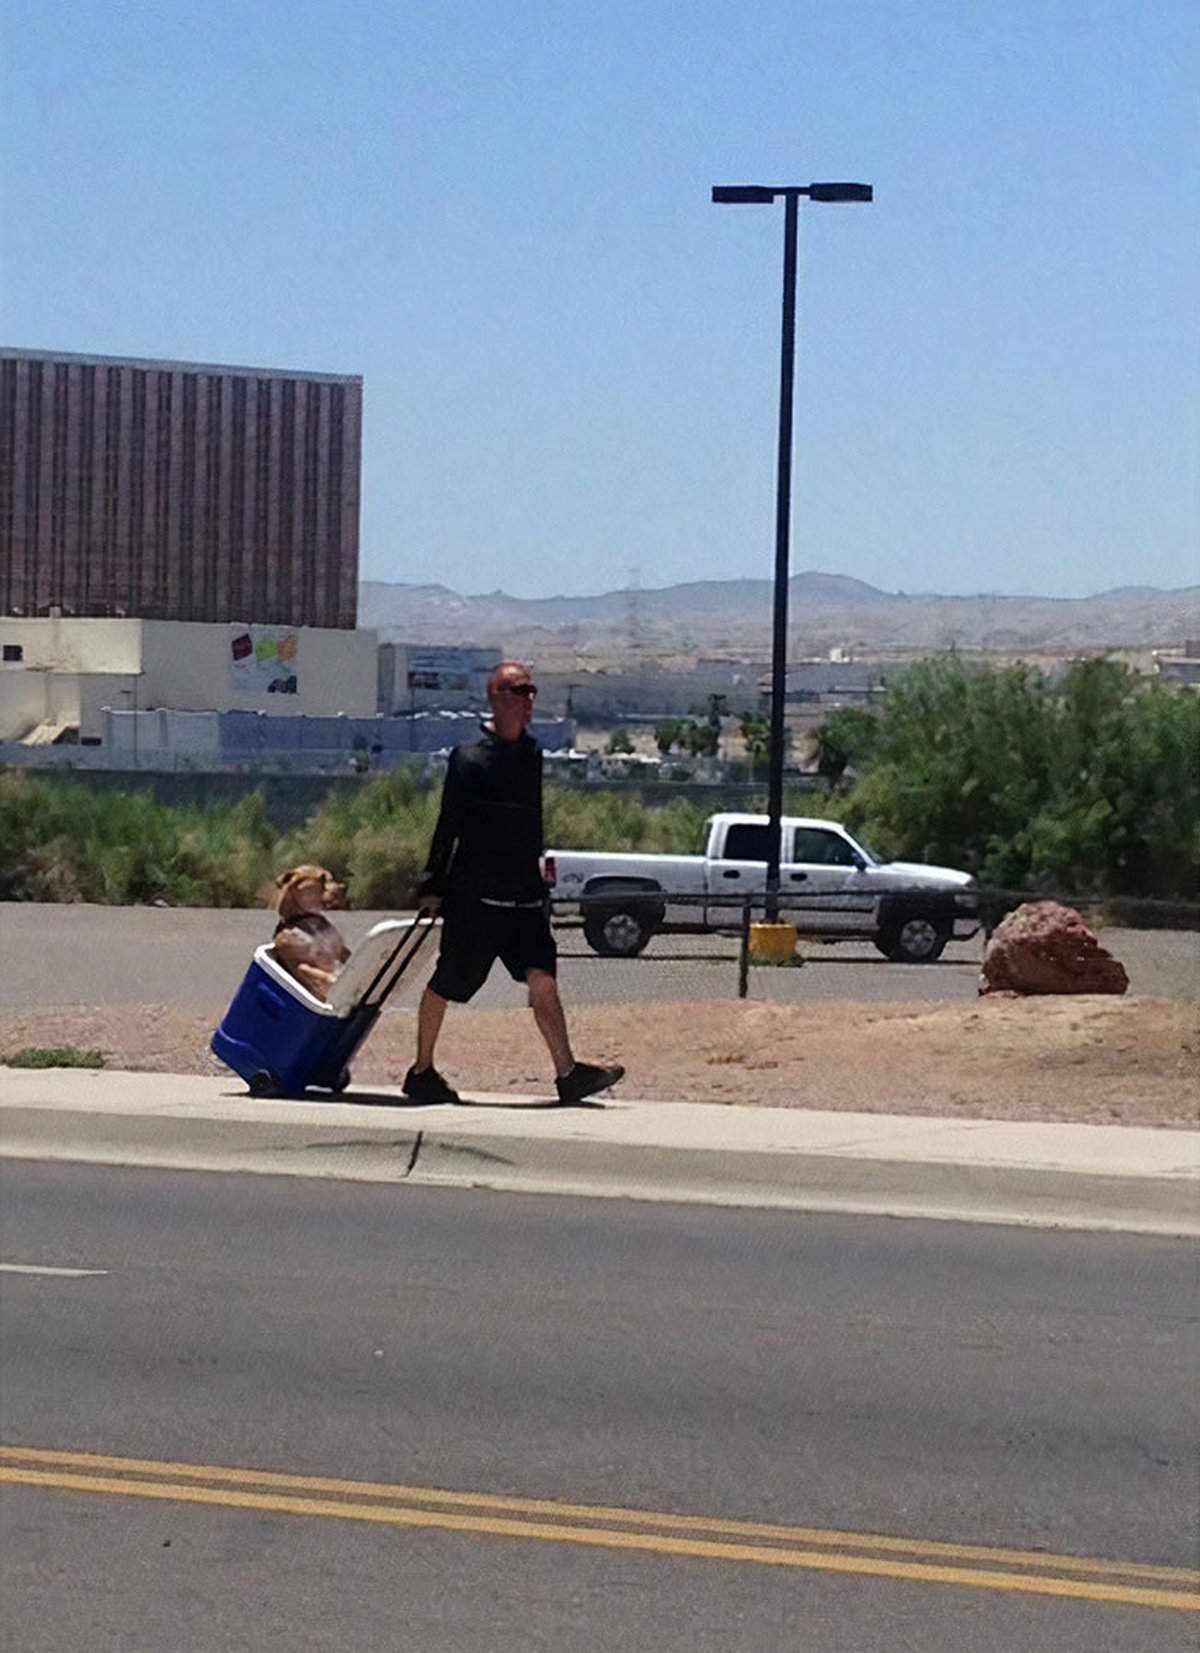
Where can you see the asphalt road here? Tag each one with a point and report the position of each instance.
(930, 1383)
(147, 955)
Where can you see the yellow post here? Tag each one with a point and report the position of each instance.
(773, 943)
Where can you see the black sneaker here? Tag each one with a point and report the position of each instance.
(427, 1086)
(585, 1079)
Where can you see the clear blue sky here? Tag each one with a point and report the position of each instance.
(497, 211)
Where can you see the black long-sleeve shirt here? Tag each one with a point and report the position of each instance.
(488, 840)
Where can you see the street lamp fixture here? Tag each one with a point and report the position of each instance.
(759, 195)
(765, 195)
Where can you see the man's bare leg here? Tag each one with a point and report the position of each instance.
(430, 1015)
(551, 1019)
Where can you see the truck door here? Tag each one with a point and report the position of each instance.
(740, 870)
(822, 886)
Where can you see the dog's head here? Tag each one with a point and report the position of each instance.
(308, 889)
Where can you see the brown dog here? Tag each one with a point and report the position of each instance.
(305, 942)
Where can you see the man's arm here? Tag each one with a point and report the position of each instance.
(541, 818)
(445, 837)
(545, 862)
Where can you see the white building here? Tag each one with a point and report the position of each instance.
(58, 676)
(1180, 665)
(415, 677)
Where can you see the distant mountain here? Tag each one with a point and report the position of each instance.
(695, 597)
(825, 610)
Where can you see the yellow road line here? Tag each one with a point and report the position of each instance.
(599, 1512)
(778, 1554)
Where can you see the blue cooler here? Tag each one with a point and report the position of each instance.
(282, 1039)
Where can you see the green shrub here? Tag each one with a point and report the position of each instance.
(376, 838)
(55, 1056)
(1090, 787)
(621, 821)
(64, 841)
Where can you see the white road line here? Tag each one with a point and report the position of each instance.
(62, 1273)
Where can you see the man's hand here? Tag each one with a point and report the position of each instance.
(429, 904)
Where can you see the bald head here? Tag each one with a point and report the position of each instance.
(514, 671)
(511, 691)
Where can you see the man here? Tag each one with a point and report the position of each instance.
(485, 874)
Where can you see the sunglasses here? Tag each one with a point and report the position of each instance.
(525, 690)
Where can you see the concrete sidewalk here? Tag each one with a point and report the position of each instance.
(1074, 1176)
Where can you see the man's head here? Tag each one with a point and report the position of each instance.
(511, 692)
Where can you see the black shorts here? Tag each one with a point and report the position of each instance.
(475, 935)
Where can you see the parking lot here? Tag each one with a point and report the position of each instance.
(59, 955)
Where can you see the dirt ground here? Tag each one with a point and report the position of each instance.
(1091, 1059)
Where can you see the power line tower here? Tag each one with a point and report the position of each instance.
(634, 630)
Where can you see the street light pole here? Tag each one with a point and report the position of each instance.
(758, 195)
(783, 517)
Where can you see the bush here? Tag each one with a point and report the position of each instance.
(1087, 788)
(55, 1056)
(846, 737)
(377, 838)
(64, 841)
(621, 821)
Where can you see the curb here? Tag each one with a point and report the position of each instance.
(1103, 1178)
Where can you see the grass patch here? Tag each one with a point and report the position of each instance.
(61, 1056)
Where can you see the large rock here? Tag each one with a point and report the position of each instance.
(1044, 947)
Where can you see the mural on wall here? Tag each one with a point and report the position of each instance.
(262, 659)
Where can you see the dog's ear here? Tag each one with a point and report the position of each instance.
(284, 878)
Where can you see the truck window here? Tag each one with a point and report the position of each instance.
(822, 849)
(745, 841)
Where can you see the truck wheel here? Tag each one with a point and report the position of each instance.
(914, 940)
(617, 932)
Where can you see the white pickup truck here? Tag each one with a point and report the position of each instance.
(831, 888)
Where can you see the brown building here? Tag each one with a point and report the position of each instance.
(178, 491)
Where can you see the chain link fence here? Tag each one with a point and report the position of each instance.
(705, 949)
